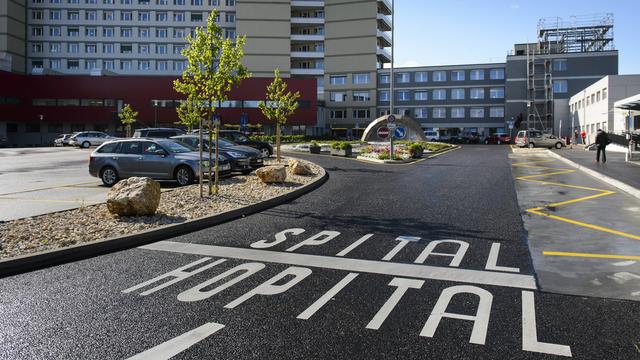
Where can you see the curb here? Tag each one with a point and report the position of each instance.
(47, 258)
(611, 181)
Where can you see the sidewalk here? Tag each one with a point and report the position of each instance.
(615, 167)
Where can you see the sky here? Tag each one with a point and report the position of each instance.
(448, 32)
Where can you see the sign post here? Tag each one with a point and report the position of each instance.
(391, 123)
(510, 123)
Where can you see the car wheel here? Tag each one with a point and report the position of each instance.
(184, 176)
(558, 145)
(433, 140)
(85, 145)
(109, 176)
(531, 145)
(265, 152)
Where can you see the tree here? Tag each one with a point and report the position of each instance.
(190, 114)
(279, 106)
(128, 117)
(213, 68)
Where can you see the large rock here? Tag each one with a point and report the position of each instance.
(134, 196)
(272, 174)
(297, 167)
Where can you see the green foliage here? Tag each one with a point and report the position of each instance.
(341, 145)
(128, 117)
(416, 149)
(283, 138)
(314, 144)
(190, 113)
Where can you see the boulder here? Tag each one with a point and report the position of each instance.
(272, 174)
(135, 196)
(297, 167)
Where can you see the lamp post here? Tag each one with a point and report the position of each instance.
(40, 128)
(391, 133)
(155, 113)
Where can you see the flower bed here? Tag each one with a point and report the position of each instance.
(384, 152)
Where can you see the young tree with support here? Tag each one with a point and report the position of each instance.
(214, 67)
(279, 106)
(128, 117)
(190, 114)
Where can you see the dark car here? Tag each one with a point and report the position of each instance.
(158, 133)
(243, 158)
(161, 159)
(497, 139)
(241, 139)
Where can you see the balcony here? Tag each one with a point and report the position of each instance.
(298, 71)
(384, 7)
(307, 54)
(307, 20)
(385, 38)
(307, 4)
(384, 55)
(307, 37)
(384, 22)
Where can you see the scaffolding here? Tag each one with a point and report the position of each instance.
(539, 88)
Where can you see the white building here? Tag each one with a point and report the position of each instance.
(593, 108)
(623, 109)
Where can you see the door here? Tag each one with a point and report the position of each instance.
(129, 158)
(155, 161)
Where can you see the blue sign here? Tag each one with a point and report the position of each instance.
(391, 119)
(400, 132)
(244, 119)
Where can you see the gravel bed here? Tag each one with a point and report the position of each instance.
(61, 229)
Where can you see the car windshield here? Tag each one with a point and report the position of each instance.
(240, 137)
(176, 147)
(226, 143)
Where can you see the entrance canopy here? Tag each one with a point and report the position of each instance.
(411, 130)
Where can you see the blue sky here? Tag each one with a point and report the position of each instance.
(449, 32)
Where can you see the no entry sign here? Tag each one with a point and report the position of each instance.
(383, 132)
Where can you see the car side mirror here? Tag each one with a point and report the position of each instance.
(161, 152)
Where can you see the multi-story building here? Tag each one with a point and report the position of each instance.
(12, 35)
(592, 108)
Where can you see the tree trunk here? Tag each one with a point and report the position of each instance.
(201, 173)
(217, 179)
(211, 157)
(278, 140)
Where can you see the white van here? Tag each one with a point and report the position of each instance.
(431, 135)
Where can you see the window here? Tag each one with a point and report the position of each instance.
(384, 79)
(457, 75)
(421, 76)
(338, 114)
(476, 93)
(91, 64)
(196, 17)
(361, 96)
(37, 15)
(421, 113)
(403, 111)
(496, 74)
(37, 31)
(43, 102)
(108, 64)
(144, 32)
(230, 18)
(161, 65)
(54, 64)
(161, 16)
(36, 48)
(403, 95)
(73, 32)
(496, 93)
(477, 75)
(338, 79)
(37, 64)
(457, 94)
(496, 112)
(55, 31)
(439, 113)
(91, 48)
(161, 33)
(383, 95)
(560, 86)
(604, 93)
(361, 113)
(476, 113)
(403, 77)
(457, 112)
(161, 49)
(361, 78)
(231, 34)
(178, 16)
(73, 48)
(91, 32)
(559, 64)
(162, 2)
(107, 48)
(125, 2)
(54, 47)
(144, 65)
(125, 65)
(126, 49)
(593, 98)
(178, 33)
(73, 15)
(177, 48)
(337, 96)
(73, 65)
(144, 16)
(420, 96)
(143, 49)
(230, 2)
(32, 127)
(54, 15)
(126, 32)
(439, 76)
(108, 15)
(178, 2)
(598, 96)
(196, 2)
(126, 16)
(108, 32)
(439, 94)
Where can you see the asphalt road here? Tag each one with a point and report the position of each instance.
(339, 295)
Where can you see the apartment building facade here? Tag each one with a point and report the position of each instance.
(12, 35)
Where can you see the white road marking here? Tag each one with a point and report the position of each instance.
(480, 319)
(354, 245)
(320, 238)
(269, 287)
(196, 293)
(457, 257)
(280, 237)
(402, 286)
(173, 347)
(318, 304)
(352, 265)
(178, 273)
(529, 333)
(492, 261)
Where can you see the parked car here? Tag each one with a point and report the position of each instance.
(497, 138)
(431, 135)
(539, 139)
(243, 158)
(160, 133)
(62, 140)
(85, 139)
(161, 159)
(470, 138)
(241, 139)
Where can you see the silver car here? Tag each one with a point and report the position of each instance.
(86, 139)
(539, 139)
(161, 159)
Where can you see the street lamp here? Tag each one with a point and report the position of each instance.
(40, 127)
(155, 113)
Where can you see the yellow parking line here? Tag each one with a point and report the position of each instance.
(587, 255)
(605, 193)
(583, 224)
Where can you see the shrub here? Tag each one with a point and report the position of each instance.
(314, 144)
(341, 145)
(416, 149)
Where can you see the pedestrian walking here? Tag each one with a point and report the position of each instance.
(602, 140)
(584, 137)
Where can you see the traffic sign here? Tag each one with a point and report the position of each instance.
(383, 132)
(391, 119)
(392, 126)
(510, 123)
(400, 132)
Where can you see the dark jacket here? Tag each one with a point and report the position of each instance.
(602, 139)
